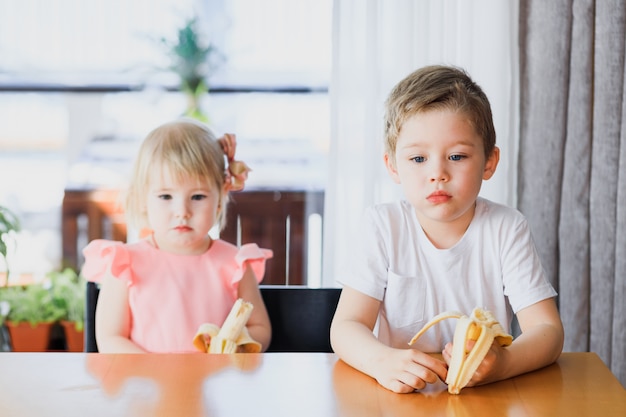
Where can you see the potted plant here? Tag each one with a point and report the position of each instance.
(68, 290)
(9, 225)
(31, 314)
(193, 59)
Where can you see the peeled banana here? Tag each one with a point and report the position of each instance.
(481, 327)
(232, 337)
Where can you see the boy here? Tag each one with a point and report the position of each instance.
(443, 248)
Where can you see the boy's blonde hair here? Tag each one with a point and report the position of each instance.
(438, 87)
(188, 149)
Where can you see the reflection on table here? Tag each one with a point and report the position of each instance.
(282, 384)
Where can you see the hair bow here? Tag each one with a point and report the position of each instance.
(237, 171)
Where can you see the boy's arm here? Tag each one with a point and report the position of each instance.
(539, 345)
(399, 370)
(541, 341)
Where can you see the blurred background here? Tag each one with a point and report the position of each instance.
(82, 82)
(302, 84)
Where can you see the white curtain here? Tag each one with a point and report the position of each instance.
(375, 44)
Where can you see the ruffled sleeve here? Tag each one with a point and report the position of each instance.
(106, 256)
(251, 254)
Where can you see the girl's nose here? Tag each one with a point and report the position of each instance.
(182, 210)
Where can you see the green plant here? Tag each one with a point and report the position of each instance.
(32, 303)
(193, 60)
(9, 225)
(68, 292)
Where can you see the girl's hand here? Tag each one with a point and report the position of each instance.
(407, 370)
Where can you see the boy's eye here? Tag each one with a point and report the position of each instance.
(456, 157)
(165, 197)
(418, 159)
(198, 197)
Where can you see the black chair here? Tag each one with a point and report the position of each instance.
(91, 300)
(300, 317)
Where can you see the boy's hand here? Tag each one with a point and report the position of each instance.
(488, 370)
(407, 370)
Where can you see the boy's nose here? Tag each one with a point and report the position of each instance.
(438, 173)
(439, 178)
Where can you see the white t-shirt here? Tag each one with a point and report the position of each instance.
(494, 266)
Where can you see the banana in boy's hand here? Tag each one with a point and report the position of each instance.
(481, 327)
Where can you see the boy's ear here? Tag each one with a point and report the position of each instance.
(491, 163)
(390, 163)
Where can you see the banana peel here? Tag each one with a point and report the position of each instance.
(232, 337)
(482, 328)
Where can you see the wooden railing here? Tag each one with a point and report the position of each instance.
(88, 214)
(274, 219)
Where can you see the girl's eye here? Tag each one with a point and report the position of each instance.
(198, 197)
(418, 159)
(165, 197)
(457, 157)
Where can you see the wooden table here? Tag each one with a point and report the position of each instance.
(282, 384)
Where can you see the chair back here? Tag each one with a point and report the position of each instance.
(90, 316)
(300, 317)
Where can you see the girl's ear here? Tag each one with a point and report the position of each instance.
(491, 163)
(223, 198)
(390, 163)
(227, 187)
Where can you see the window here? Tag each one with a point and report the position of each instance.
(82, 82)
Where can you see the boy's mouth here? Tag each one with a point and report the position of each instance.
(438, 197)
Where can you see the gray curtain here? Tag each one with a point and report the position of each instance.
(572, 163)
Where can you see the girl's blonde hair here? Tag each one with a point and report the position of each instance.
(438, 87)
(188, 149)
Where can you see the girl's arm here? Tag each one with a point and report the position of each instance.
(399, 370)
(113, 318)
(258, 325)
(539, 345)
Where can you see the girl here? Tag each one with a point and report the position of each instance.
(156, 292)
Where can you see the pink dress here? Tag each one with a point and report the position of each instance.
(171, 295)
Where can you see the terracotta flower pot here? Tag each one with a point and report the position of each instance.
(74, 339)
(28, 338)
